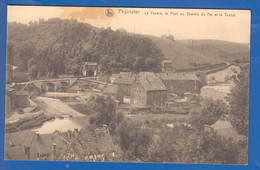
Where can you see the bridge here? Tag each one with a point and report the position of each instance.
(54, 84)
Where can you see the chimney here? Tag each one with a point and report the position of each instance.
(37, 136)
(54, 148)
(27, 151)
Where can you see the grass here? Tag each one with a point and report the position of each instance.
(182, 56)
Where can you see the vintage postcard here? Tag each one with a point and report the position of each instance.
(97, 84)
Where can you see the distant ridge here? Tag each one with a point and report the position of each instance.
(187, 54)
(223, 50)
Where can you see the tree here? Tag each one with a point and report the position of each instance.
(31, 62)
(189, 145)
(32, 68)
(239, 102)
(134, 141)
(24, 51)
(208, 113)
(58, 46)
(138, 64)
(10, 53)
(105, 109)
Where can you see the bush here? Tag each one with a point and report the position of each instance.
(208, 113)
(186, 145)
(134, 141)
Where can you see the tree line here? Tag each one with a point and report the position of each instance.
(53, 47)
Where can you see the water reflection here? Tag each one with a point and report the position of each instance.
(62, 125)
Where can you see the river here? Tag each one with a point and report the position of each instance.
(62, 125)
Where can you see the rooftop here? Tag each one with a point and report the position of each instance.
(225, 128)
(123, 78)
(177, 76)
(222, 88)
(111, 89)
(150, 81)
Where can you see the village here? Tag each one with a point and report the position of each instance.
(49, 112)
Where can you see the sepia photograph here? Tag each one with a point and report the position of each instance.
(110, 84)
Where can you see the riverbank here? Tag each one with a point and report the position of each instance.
(27, 123)
(55, 107)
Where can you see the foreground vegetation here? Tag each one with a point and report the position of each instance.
(186, 142)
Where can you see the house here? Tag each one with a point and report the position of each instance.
(223, 75)
(90, 69)
(119, 75)
(167, 65)
(225, 128)
(148, 90)
(177, 82)
(216, 92)
(97, 145)
(21, 99)
(125, 80)
(114, 91)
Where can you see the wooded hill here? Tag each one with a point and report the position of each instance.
(53, 47)
(49, 48)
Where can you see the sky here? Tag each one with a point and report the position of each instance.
(227, 25)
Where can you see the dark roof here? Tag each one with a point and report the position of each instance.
(111, 89)
(177, 76)
(150, 81)
(225, 128)
(122, 74)
(95, 142)
(123, 78)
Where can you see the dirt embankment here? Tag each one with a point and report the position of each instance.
(55, 107)
(27, 123)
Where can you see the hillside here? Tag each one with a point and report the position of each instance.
(182, 56)
(54, 47)
(222, 50)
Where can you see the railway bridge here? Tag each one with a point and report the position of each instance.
(52, 85)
